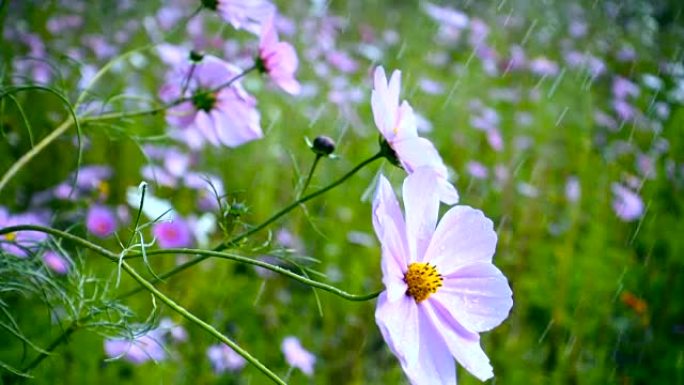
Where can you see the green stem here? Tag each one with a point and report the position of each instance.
(202, 254)
(265, 265)
(62, 128)
(272, 219)
(298, 202)
(199, 322)
(308, 177)
(55, 343)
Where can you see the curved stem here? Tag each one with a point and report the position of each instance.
(298, 202)
(265, 265)
(272, 219)
(203, 254)
(55, 343)
(199, 322)
(308, 177)
(64, 235)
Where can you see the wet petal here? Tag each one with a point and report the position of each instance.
(390, 229)
(398, 323)
(463, 345)
(477, 296)
(463, 236)
(435, 364)
(422, 207)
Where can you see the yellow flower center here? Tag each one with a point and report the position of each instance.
(422, 280)
(11, 237)
(103, 189)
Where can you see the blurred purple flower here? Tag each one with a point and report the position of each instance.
(572, 189)
(175, 233)
(627, 204)
(446, 16)
(278, 59)
(342, 61)
(441, 288)
(101, 221)
(142, 348)
(298, 357)
(477, 170)
(56, 262)
(177, 332)
(623, 88)
(216, 113)
(20, 243)
(397, 124)
(224, 359)
(243, 14)
(543, 67)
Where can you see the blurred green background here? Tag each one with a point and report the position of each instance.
(597, 300)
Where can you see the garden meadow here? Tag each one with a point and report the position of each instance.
(312, 192)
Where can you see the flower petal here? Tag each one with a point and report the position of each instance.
(463, 345)
(463, 236)
(435, 364)
(390, 228)
(398, 323)
(477, 296)
(416, 152)
(422, 207)
(385, 101)
(406, 126)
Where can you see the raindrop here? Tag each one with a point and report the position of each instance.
(529, 32)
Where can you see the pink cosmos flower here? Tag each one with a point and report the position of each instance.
(247, 14)
(226, 116)
(278, 59)
(397, 124)
(100, 221)
(175, 233)
(441, 286)
(298, 357)
(225, 359)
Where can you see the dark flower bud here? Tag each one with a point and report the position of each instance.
(323, 145)
(196, 56)
(210, 4)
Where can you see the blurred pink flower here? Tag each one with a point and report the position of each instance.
(100, 221)
(56, 262)
(441, 286)
(20, 243)
(243, 14)
(397, 124)
(298, 357)
(216, 112)
(278, 59)
(175, 233)
(223, 359)
(627, 204)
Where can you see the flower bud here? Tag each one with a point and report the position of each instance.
(323, 145)
(210, 4)
(196, 56)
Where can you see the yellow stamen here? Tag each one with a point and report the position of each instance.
(11, 237)
(422, 280)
